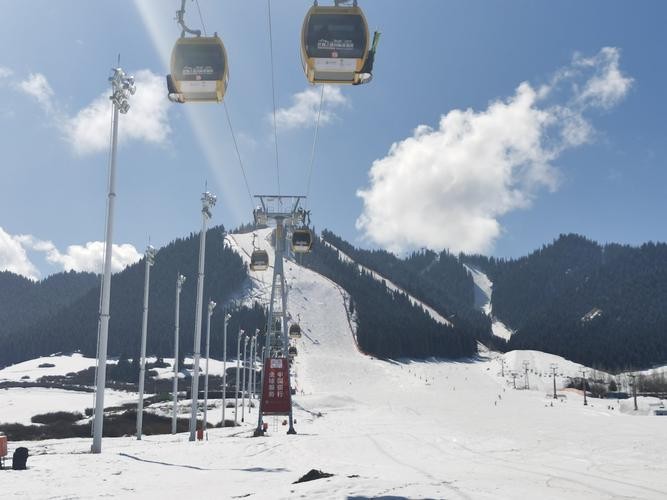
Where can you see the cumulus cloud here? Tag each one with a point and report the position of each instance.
(147, 120)
(5, 72)
(609, 85)
(447, 186)
(37, 86)
(305, 105)
(87, 131)
(88, 257)
(14, 258)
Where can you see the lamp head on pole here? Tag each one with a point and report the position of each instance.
(211, 306)
(122, 87)
(180, 280)
(150, 255)
(208, 201)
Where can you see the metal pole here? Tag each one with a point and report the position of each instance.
(174, 414)
(525, 366)
(211, 306)
(238, 375)
(121, 86)
(583, 372)
(553, 368)
(150, 259)
(243, 386)
(224, 367)
(634, 390)
(251, 366)
(208, 201)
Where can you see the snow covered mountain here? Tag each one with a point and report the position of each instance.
(384, 429)
(483, 295)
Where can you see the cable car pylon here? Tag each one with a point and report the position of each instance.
(285, 213)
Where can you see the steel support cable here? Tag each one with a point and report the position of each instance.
(238, 154)
(273, 91)
(312, 153)
(201, 18)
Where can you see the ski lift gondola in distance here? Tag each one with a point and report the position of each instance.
(259, 260)
(295, 331)
(292, 351)
(199, 70)
(302, 240)
(335, 45)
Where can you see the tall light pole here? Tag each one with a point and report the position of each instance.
(583, 373)
(238, 377)
(122, 86)
(254, 358)
(150, 260)
(251, 375)
(245, 369)
(634, 389)
(211, 306)
(207, 203)
(526, 364)
(174, 415)
(553, 369)
(224, 367)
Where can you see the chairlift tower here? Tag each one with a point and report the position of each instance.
(285, 213)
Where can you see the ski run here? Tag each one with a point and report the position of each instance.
(388, 429)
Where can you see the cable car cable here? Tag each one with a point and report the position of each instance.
(238, 154)
(273, 90)
(312, 153)
(201, 18)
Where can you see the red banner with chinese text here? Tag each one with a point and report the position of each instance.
(276, 396)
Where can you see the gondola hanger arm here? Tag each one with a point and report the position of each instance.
(180, 14)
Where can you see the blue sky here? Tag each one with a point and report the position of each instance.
(579, 147)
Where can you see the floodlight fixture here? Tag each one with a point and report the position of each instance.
(208, 201)
(122, 88)
(150, 255)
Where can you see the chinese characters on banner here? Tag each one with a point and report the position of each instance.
(276, 396)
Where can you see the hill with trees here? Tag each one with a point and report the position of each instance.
(600, 305)
(73, 327)
(24, 302)
(388, 324)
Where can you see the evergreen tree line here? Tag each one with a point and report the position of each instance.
(438, 280)
(74, 327)
(389, 325)
(547, 297)
(23, 301)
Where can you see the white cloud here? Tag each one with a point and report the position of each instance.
(5, 72)
(447, 187)
(37, 86)
(147, 120)
(14, 258)
(88, 257)
(305, 105)
(608, 86)
(88, 130)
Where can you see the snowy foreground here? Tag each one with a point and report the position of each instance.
(394, 430)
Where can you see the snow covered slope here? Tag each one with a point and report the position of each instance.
(483, 293)
(426, 429)
(392, 286)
